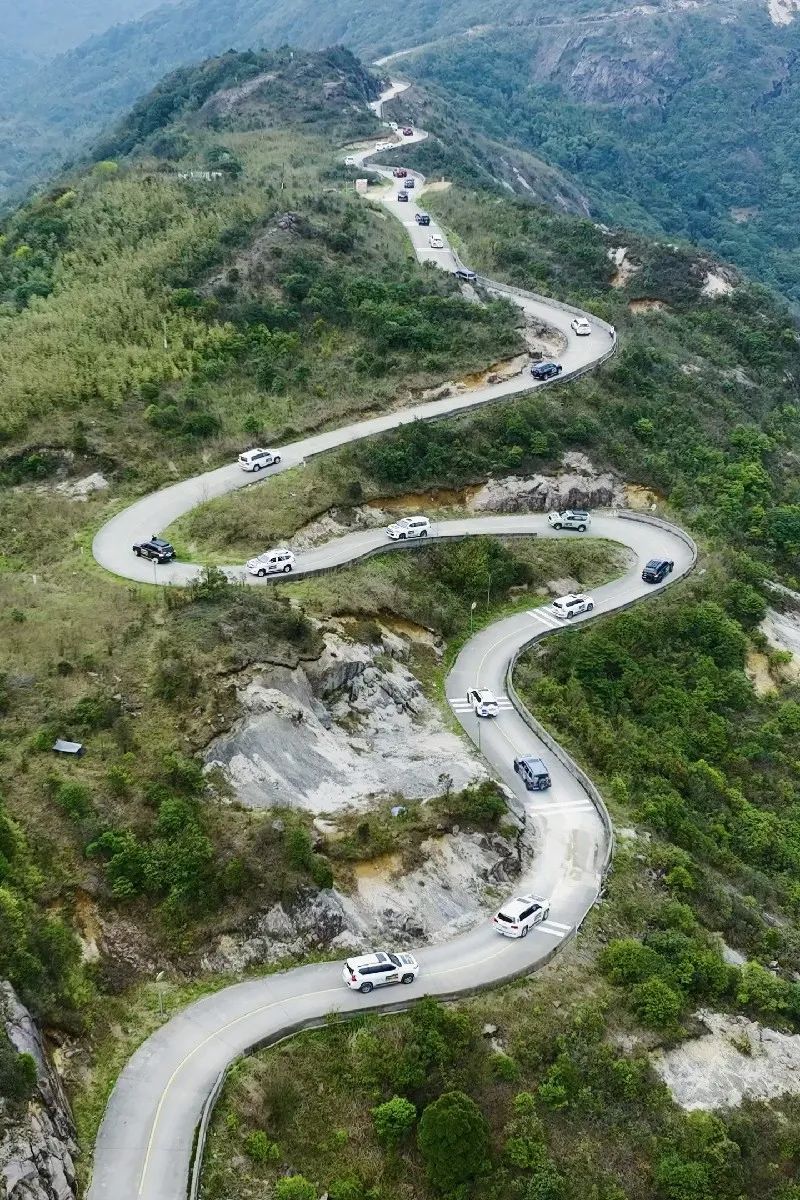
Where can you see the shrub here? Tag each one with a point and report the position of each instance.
(258, 1147)
(453, 1138)
(17, 1073)
(656, 1004)
(75, 800)
(394, 1120)
(295, 1187)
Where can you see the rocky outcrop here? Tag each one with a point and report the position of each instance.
(579, 485)
(37, 1149)
(736, 1059)
(342, 730)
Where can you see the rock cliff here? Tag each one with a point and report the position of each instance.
(37, 1148)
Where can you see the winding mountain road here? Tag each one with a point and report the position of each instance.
(145, 1144)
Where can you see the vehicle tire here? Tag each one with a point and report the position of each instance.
(423, 533)
(288, 567)
(137, 552)
(276, 460)
(401, 537)
(670, 568)
(366, 988)
(525, 930)
(570, 615)
(257, 466)
(589, 607)
(261, 573)
(581, 529)
(407, 979)
(558, 527)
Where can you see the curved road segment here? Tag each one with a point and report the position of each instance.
(144, 1146)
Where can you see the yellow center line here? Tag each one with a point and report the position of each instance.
(254, 1012)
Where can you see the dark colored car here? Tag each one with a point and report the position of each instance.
(401, 196)
(546, 370)
(422, 219)
(399, 172)
(156, 549)
(410, 182)
(408, 131)
(463, 273)
(533, 773)
(657, 570)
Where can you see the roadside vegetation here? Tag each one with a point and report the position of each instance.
(543, 1090)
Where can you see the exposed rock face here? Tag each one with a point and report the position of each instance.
(580, 485)
(444, 896)
(346, 728)
(737, 1059)
(37, 1151)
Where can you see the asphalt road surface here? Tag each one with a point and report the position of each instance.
(144, 1146)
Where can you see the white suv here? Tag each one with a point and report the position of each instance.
(409, 527)
(436, 242)
(571, 518)
(376, 970)
(272, 562)
(569, 606)
(483, 702)
(254, 460)
(518, 916)
(580, 326)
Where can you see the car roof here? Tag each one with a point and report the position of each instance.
(518, 903)
(158, 541)
(531, 758)
(369, 960)
(484, 693)
(569, 598)
(656, 562)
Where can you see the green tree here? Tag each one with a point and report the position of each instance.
(295, 1187)
(453, 1137)
(656, 1004)
(394, 1120)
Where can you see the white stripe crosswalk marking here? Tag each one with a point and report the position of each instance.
(545, 618)
(561, 810)
(557, 925)
(556, 933)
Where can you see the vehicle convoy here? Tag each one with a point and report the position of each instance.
(518, 916)
(422, 218)
(570, 518)
(572, 605)
(483, 702)
(533, 773)
(257, 459)
(580, 326)
(271, 562)
(546, 370)
(156, 549)
(369, 971)
(436, 242)
(409, 527)
(657, 569)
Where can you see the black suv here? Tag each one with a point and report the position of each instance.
(156, 549)
(657, 570)
(422, 219)
(546, 370)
